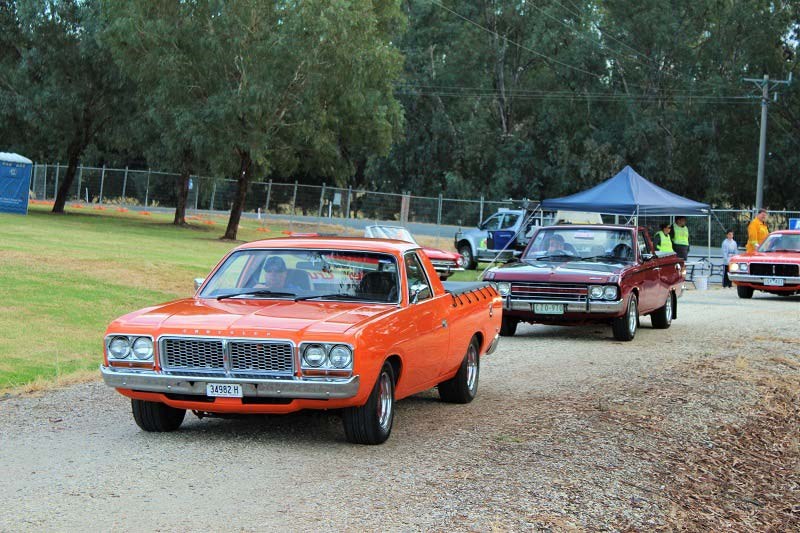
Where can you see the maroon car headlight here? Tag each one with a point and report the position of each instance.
(740, 267)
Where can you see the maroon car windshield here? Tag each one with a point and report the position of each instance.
(561, 243)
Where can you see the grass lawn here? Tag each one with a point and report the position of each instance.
(63, 278)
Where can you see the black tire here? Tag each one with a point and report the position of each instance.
(371, 423)
(463, 387)
(469, 258)
(624, 327)
(508, 327)
(744, 292)
(155, 416)
(662, 317)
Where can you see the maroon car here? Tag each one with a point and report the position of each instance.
(587, 274)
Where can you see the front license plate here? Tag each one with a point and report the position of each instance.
(224, 390)
(548, 309)
(774, 282)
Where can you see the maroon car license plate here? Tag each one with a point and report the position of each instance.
(774, 282)
(548, 309)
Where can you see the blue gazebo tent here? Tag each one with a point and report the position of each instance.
(629, 194)
(15, 181)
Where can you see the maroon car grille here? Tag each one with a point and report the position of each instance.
(549, 291)
(769, 269)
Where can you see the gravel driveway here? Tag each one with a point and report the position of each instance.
(562, 435)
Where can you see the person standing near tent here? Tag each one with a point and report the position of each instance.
(662, 239)
(680, 238)
(729, 249)
(757, 231)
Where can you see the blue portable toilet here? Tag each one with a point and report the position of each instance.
(15, 182)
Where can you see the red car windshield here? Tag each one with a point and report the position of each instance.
(781, 242)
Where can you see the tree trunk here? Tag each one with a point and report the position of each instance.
(73, 154)
(243, 182)
(182, 190)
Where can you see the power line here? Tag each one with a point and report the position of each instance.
(602, 78)
(566, 97)
(679, 94)
(506, 39)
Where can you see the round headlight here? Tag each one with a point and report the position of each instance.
(119, 348)
(143, 348)
(610, 292)
(596, 291)
(340, 356)
(742, 267)
(314, 355)
(504, 288)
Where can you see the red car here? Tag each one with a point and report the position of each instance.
(443, 261)
(587, 274)
(774, 267)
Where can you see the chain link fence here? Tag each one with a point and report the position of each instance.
(292, 201)
(350, 208)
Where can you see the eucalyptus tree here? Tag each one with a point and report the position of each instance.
(276, 86)
(156, 45)
(59, 81)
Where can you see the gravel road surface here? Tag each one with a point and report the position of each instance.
(557, 439)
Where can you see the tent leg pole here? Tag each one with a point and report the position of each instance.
(709, 236)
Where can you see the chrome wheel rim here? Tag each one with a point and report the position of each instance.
(385, 401)
(472, 368)
(632, 316)
(467, 254)
(668, 308)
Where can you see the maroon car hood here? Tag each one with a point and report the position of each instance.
(562, 271)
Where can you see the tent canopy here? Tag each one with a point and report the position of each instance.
(630, 194)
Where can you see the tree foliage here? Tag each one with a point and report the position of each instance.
(500, 98)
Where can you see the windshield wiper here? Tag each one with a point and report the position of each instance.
(258, 293)
(553, 256)
(337, 296)
(601, 257)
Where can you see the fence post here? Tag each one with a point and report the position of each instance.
(269, 192)
(80, 175)
(196, 191)
(294, 197)
(439, 212)
(480, 216)
(213, 194)
(147, 188)
(125, 186)
(44, 189)
(33, 176)
(349, 192)
(55, 190)
(102, 181)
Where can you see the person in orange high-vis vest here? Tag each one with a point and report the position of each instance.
(757, 231)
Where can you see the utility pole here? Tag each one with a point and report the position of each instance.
(765, 86)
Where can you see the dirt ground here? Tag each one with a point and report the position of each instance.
(696, 427)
